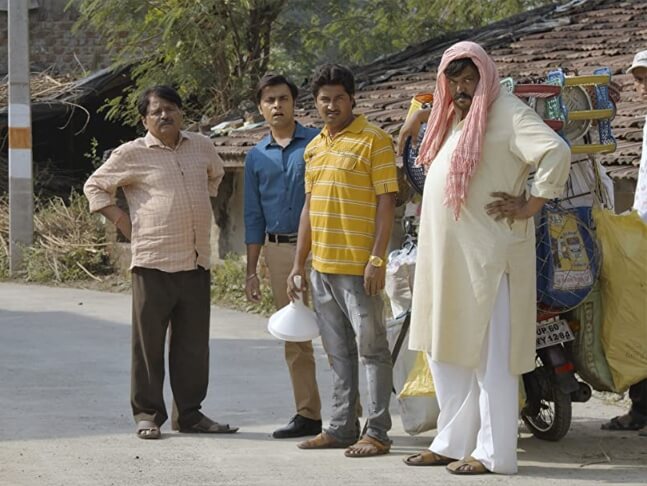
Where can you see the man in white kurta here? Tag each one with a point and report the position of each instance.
(474, 297)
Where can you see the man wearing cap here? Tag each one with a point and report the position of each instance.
(473, 307)
(274, 197)
(638, 70)
(636, 418)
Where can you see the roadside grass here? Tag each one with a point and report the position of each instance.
(71, 248)
(69, 243)
(228, 287)
(4, 237)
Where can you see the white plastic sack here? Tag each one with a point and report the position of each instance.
(418, 414)
(400, 270)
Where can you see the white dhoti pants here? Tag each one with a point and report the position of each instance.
(479, 408)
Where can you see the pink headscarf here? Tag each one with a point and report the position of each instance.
(467, 154)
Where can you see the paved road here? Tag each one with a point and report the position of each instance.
(64, 412)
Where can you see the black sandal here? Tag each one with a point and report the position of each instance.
(627, 422)
(208, 426)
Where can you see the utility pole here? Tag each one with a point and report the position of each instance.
(21, 200)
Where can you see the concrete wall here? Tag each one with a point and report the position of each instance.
(228, 211)
(53, 44)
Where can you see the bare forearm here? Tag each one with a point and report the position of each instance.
(384, 217)
(253, 254)
(119, 218)
(514, 207)
(303, 249)
(411, 128)
(304, 239)
(113, 213)
(422, 115)
(535, 204)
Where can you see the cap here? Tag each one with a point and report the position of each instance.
(640, 60)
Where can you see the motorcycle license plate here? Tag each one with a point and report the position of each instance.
(551, 333)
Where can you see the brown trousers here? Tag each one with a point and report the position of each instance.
(181, 299)
(299, 357)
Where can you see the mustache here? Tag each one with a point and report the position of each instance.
(462, 95)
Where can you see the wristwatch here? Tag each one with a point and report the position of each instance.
(376, 261)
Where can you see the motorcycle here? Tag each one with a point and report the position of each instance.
(552, 386)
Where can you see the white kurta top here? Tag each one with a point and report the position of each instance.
(640, 198)
(460, 263)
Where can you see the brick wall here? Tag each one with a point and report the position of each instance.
(52, 42)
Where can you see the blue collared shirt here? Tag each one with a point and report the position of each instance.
(274, 187)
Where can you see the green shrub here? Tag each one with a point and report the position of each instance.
(228, 287)
(4, 264)
(70, 245)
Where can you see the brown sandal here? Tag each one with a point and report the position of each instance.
(147, 429)
(469, 466)
(368, 446)
(427, 458)
(323, 441)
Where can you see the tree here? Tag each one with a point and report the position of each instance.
(212, 51)
(356, 32)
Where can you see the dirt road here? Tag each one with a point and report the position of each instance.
(65, 418)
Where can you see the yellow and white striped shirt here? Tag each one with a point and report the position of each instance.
(344, 175)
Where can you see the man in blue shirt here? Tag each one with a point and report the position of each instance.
(274, 197)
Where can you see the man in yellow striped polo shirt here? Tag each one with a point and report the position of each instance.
(350, 185)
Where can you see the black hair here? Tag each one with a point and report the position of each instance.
(275, 80)
(455, 67)
(327, 74)
(165, 92)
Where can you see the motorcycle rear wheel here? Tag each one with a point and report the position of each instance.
(548, 410)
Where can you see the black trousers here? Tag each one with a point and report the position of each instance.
(181, 299)
(638, 396)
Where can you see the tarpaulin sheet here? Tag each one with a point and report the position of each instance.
(623, 283)
(588, 355)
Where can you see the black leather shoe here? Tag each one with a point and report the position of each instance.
(298, 426)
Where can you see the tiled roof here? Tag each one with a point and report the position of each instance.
(579, 36)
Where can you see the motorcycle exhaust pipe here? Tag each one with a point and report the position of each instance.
(582, 394)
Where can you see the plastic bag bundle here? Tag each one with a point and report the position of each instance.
(623, 282)
(400, 270)
(419, 381)
(418, 413)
